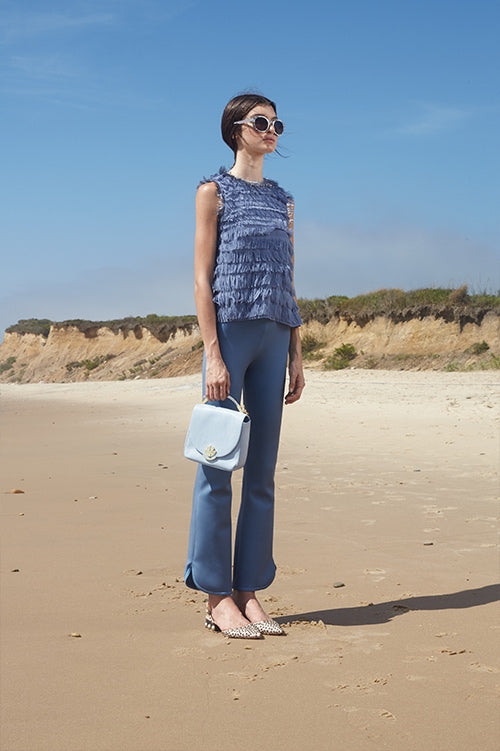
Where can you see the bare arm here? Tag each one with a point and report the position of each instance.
(295, 367)
(205, 242)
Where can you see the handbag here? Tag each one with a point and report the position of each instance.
(218, 436)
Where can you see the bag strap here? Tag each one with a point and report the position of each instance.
(240, 407)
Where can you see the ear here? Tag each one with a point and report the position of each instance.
(236, 139)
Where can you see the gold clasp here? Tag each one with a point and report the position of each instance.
(210, 452)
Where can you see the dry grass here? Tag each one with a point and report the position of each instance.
(162, 327)
(449, 304)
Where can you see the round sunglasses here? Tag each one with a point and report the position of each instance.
(261, 124)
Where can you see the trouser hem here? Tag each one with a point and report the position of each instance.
(190, 582)
(257, 588)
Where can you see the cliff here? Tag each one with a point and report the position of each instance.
(68, 354)
(78, 351)
(86, 350)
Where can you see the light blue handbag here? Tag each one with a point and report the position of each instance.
(218, 436)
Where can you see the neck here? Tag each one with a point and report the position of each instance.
(248, 167)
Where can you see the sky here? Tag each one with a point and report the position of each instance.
(110, 116)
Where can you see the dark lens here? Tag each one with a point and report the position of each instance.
(279, 127)
(261, 123)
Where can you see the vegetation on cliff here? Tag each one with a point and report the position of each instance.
(450, 304)
(162, 327)
(433, 328)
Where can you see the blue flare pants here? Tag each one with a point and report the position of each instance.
(255, 353)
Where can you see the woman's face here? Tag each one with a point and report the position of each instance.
(250, 140)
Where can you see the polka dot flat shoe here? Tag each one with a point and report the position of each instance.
(269, 627)
(249, 631)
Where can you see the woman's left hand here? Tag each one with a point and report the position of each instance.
(296, 382)
(295, 370)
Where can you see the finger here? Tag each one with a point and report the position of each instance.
(294, 395)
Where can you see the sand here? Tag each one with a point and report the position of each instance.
(386, 484)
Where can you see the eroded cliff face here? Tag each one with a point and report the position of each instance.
(417, 336)
(68, 354)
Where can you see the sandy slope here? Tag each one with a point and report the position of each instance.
(386, 482)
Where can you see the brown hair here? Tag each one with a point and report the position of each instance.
(237, 109)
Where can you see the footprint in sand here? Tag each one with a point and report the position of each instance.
(369, 685)
(287, 571)
(387, 715)
(483, 668)
(377, 573)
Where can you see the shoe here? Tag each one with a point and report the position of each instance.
(249, 631)
(269, 627)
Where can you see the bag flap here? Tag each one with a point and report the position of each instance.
(216, 426)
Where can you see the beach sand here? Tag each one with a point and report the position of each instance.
(386, 484)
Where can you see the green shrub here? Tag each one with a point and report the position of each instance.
(310, 344)
(31, 326)
(89, 364)
(341, 357)
(7, 364)
(478, 348)
(92, 364)
(492, 364)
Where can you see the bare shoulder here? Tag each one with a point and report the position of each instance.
(207, 191)
(207, 201)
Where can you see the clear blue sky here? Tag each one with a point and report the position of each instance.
(110, 115)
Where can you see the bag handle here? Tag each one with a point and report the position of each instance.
(240, 407)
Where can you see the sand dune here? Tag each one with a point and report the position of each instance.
(386, 545)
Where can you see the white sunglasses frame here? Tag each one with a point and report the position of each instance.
(270, 123)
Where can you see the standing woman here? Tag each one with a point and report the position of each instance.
(249, 322)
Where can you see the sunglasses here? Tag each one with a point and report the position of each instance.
(261, 124)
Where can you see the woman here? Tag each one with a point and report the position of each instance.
(249, 322)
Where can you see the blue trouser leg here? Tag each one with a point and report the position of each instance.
(255, 353)
(263, 388)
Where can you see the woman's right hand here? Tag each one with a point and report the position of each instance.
(217, 379)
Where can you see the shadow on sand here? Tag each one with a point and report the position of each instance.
(383, 612)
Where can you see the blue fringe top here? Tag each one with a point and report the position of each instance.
(253, 275)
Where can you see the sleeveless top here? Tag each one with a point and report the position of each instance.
(253, 274)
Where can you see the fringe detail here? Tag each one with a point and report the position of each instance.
(252, 295)
(257, 280)
(243, 256)
(253, 275)
(278, 313)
